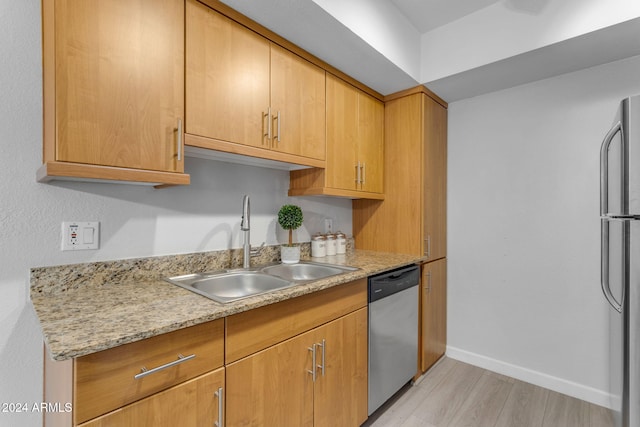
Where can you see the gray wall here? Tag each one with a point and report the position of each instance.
(524, 235)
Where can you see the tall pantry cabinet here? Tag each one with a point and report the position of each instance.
(412, 218)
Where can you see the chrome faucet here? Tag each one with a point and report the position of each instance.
(246, 227)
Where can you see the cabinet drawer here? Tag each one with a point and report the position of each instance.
(263, 327)
(193, 403)
(105, 381)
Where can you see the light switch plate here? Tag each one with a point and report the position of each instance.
(80, 235)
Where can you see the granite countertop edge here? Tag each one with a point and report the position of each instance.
(101, 316)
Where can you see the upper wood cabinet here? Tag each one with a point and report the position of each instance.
(412, 218)
(227, 78)
(355, 147)
(435, 179)
(113, 90)
(247, 95)
(370, 144)
(297, 105)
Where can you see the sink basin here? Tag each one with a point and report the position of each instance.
(305, 271)
(231, 286)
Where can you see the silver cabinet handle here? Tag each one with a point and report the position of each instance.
(179, 139)
(364, 172)
(427, 253)
(277, 137)
(358, 169)
(145, 371)
(324, 346)
(604, 266)
(268, 117)
(220, 395)
(428, 288)
(312, 371)
(604, 167)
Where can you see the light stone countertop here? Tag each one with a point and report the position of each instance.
(108, 308)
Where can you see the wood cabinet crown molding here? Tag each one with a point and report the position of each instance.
(417, 89)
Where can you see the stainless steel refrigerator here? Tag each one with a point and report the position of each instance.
(620, 257)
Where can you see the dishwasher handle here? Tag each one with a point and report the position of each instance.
(386, 284)
(399, 274)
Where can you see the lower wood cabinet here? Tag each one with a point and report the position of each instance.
(155, 378)
(433, 335)
(195, 403)
(298, 362)
(318, 378)
(340, 390)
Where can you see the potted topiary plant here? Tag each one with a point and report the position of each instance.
(290, 217)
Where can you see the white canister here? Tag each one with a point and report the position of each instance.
(331, 244)
(341, 243)
(318, 246)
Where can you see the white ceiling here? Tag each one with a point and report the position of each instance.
(425, 15)
(308, 25)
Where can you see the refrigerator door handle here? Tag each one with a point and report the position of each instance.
(604, 167)
(604, 267)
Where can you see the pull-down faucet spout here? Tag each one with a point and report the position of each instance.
(246, 227)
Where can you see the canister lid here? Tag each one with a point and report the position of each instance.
(318, 236)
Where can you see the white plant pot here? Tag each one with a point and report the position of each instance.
(290, 254)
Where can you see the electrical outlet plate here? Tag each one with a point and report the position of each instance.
(328, 225)
(80, 235)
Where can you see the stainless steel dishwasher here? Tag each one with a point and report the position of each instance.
(393, 332)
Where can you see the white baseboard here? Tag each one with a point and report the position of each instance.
(540, 379)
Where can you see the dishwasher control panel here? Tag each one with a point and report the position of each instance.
(390, 282)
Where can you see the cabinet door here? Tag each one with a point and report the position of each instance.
(119, 82)
(342, 134)
(227, 78)
(395, 225)
(194, 403)
(435, 179)
(297, 105)
(434, 312)
(341, 391)
(272, 387)
(371, 143)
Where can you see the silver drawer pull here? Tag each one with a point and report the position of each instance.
(220, 395)
(312, 371)
(146, 371)
(324, 346)
(179, 139)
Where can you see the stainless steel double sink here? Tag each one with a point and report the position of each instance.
(232, 285)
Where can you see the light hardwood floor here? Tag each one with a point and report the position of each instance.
(455, 394)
